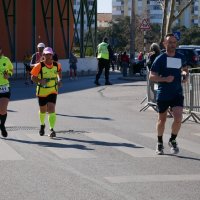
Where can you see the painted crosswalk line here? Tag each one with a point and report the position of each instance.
(123, 145)
(153, 178)
(62, 148)
(182, 143)
(8, 153)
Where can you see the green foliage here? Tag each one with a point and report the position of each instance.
(119, 35)
(89, 51)
(189, 36)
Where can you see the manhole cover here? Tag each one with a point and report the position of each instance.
(19, 128)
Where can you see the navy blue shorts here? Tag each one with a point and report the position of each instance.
(49, 99)
(164, 105)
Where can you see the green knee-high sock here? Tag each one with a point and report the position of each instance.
(42, 117)
(52, 120)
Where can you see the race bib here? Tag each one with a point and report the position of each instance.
(174, 63)
(4, 89)
(155, 86)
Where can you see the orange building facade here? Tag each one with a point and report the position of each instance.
(25, 23)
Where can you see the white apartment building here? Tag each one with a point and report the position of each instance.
(152, 10)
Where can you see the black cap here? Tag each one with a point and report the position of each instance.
(105, 39)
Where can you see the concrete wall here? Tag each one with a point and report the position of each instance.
(85, 66)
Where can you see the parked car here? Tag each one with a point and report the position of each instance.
(191, 55)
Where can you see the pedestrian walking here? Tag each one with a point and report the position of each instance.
(73, 65)
(168, 70)
(104, 54)
(48, 77)
(6, 71)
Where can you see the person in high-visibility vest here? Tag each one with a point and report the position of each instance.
(48, 77)
(104, 54)
(6, 71)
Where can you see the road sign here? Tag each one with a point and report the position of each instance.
(145, 25)
(177, 34)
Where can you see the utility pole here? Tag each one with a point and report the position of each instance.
(132, 37)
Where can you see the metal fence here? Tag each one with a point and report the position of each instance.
(191, 92)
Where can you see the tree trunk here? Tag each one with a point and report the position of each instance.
(164, 23)
(168, 20)
(171, 17)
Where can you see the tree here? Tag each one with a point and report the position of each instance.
(170, 15)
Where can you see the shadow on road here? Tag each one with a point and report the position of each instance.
(20, 91)
(83, 117)
(51, 144)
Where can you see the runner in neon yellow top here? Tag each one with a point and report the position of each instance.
(6, 70)
(47, 74)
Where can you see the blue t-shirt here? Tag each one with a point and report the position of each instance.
(164, 66)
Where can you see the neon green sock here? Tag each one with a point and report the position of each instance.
(42, 117)
(52, 120)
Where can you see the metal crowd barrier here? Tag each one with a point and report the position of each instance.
(191, 92)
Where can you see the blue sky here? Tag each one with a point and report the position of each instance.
(104, 6)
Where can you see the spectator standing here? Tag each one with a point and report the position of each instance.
(167, 70)
(6, 71)
(140, 56)
(125, 63)
(26, 61)
(73, 65)
(154, 52)
(104, 54)
(119, 61)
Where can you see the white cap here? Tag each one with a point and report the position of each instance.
(42, 45)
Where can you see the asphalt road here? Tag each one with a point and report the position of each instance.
(104, 150)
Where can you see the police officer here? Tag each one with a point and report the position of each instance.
(48, 76)
(104, 54)
(6, 70)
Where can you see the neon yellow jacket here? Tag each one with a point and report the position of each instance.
(5, 67)
(103, 51)
(52, 81)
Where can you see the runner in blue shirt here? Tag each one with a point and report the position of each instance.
(168, 70)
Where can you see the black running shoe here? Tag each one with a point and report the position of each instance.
(4, 133)
(97, 83)
(42, 132)
(108, 83)
(52, 133)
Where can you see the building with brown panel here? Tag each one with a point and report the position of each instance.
(25, 23)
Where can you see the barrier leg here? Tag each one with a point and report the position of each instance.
(143, 100)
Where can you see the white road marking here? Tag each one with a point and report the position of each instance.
(182, 143)
(8, 153)
(123, 145)
(63, 148)
(153, 178)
